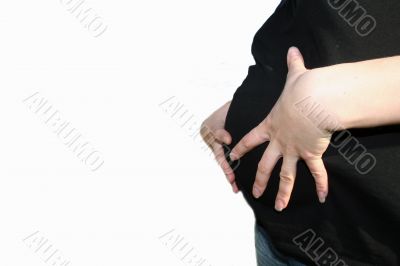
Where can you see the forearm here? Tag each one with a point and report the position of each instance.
(361, 94)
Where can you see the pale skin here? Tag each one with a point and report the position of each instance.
(356, 95)
(214, 134)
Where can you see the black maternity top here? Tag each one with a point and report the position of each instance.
(359, 223)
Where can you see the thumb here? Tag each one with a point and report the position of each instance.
(295, 60)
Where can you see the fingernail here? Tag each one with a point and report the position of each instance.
(294, 50)
(233, 157)
(256, 192)
(279, 205)
(321, 196)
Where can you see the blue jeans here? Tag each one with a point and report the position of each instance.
(266, 254)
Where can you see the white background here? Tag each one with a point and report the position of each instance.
(155, 178)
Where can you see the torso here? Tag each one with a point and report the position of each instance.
(360, 218)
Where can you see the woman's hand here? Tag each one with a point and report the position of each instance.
(291, 135)
(214, 134)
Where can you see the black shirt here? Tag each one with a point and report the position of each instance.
(361, 216)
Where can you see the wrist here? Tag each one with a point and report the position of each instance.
(322, 102)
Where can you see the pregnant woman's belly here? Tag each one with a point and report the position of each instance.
(250, 105)
(351, 218)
